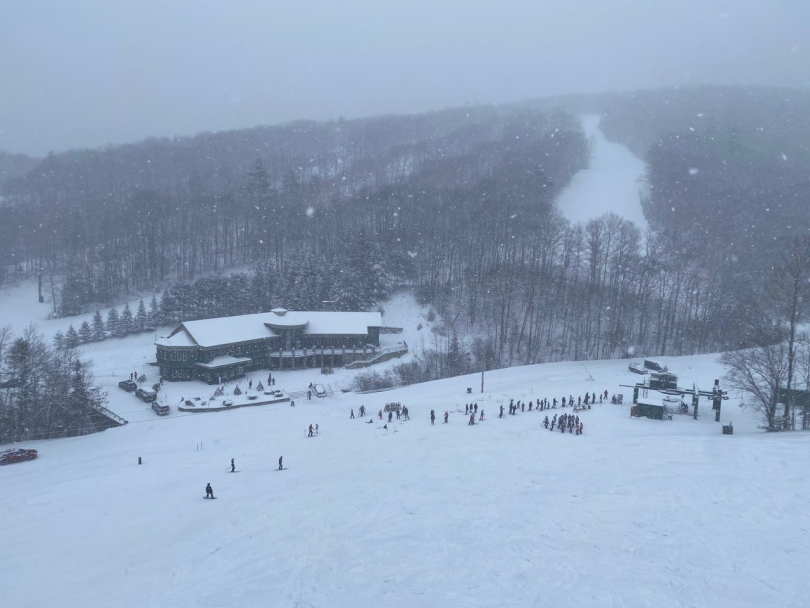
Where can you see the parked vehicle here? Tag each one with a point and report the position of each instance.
(654, 366)
(160, 409)
(16, 455)
(146, 394)
(637, 368)
(128, 385)
(227, 403)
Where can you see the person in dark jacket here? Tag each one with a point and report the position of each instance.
(209, 492)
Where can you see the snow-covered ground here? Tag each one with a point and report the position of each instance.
(612, 181)
(632, 513)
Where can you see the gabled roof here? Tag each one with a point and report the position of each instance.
(244, 328)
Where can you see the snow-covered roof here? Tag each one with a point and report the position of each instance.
(223, 361)
(177, 338)
(244, 328)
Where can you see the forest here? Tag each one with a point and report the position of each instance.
(458, 204)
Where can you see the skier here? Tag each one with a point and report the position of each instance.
(563, 401)
(555, 403)
(316, 429)
(233, 466)
(466, 408)
(481, 417)
(352, 416)
(209, 492)
(139, 460)
(432, 417)
(472, 419)
(522, 407)
(280, 466)
(380, 414)
(545, 422)
(476, 408)
(363, 411)
(407, 415)
(390, 416)
(445, 417)
(250, 385)
(310, 431)
(501, 415)
(530, 405)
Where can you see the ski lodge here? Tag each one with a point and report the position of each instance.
(217, 350)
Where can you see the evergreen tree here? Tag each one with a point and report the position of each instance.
(71, 338)
(155, 316)
(113, 323)
(127, 321)
(98, 327)
(85, 333)
(59, 340)
(141, 318)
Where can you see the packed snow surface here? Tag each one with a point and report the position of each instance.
(635, 512)
(612, 181)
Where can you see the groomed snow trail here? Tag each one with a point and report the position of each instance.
(611, 183)
(505, 513)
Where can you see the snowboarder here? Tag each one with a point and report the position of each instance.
(233, 466)
(352, 416)
(310, 431)
(432, 417)
(209, 492)
(280, 466)
(445, 417)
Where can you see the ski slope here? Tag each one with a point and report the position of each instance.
(611, 183)
(635, 512)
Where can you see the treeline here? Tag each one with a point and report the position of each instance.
(45, 391)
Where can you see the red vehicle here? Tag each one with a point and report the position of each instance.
(16, 455)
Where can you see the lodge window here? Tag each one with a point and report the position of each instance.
(174, 356)
(185, 356)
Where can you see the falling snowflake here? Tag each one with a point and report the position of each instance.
(693, 171)
(310, 211)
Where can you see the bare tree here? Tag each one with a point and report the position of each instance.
(789, 289)
(760, 372)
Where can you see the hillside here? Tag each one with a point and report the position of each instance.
(419, 515)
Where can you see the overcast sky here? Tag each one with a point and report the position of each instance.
(86, 73)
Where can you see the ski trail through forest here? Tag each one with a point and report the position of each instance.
(612, 181)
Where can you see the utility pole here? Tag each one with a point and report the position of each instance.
(482, 381)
